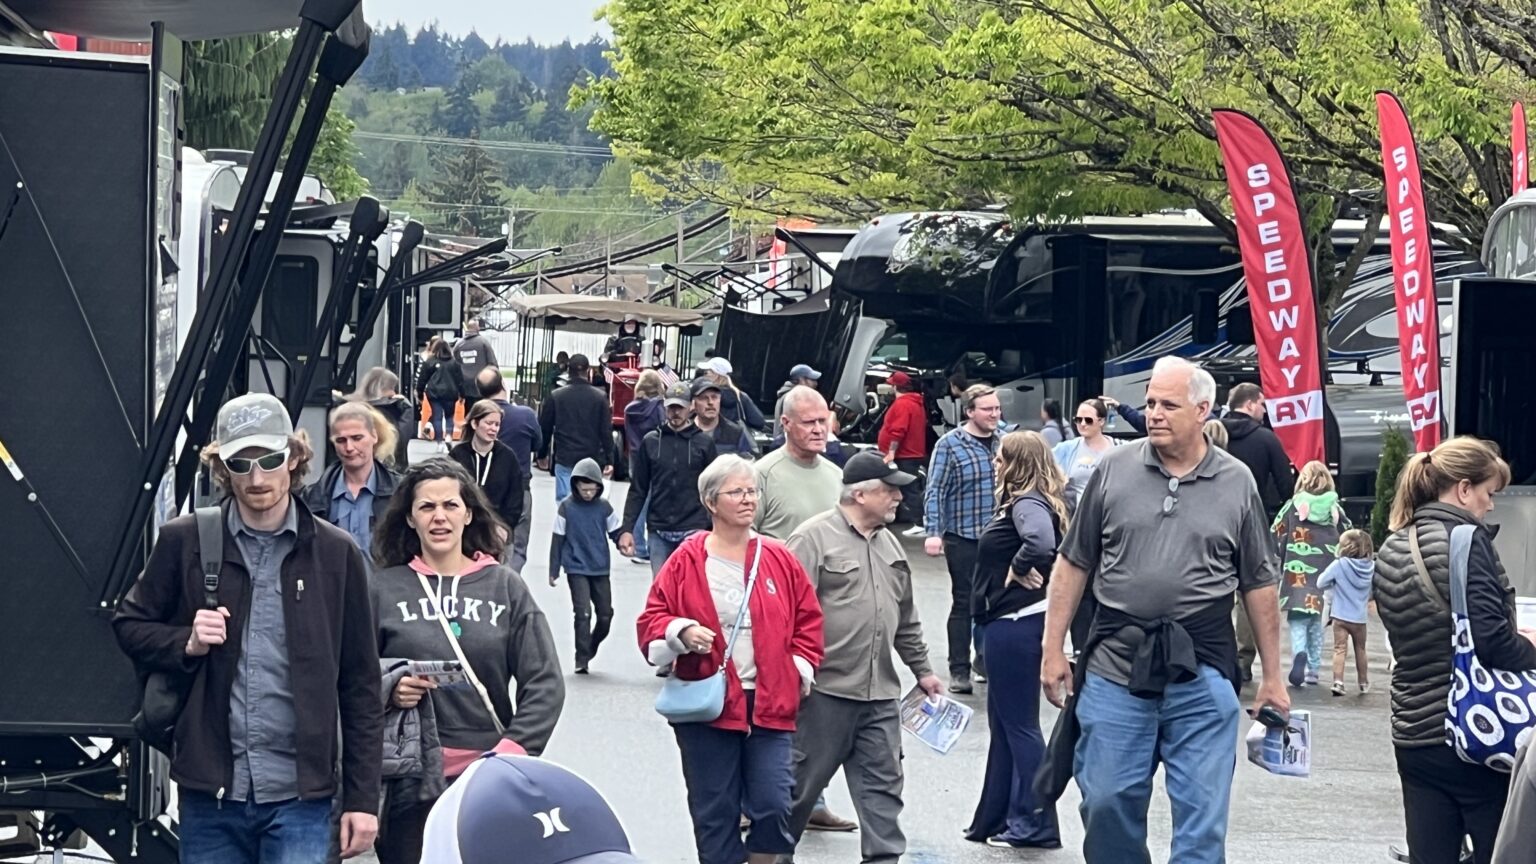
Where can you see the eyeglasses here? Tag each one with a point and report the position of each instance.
(1172, 500)
(1084, 421)
(741, 494)
(242, 465)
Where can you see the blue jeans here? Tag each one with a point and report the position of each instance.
(730, 775)
(642, 546)
(662, 547)
(442, 418)
(1192, 731)
(562, 482)
(289, 832)
(1307, 637)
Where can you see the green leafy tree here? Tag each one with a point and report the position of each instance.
(1055, 108)
(1394, 455)
(335, 157)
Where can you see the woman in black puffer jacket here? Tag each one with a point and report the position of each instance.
(1445, 798)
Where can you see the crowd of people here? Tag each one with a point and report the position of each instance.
(1113, 577)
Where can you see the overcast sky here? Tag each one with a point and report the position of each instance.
(544, 21)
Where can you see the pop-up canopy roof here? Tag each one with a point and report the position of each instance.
(130, 19)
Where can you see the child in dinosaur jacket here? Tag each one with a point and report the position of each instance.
(1308, 529)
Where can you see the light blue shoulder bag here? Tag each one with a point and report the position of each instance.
(702, 701)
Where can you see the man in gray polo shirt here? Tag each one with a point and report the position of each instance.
(1170, 527)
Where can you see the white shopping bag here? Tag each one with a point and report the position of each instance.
(1287, 751)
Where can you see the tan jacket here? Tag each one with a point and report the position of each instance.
(865, 588)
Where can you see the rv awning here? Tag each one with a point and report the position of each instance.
(536, 306)
(130, 19)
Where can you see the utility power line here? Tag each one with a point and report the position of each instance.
(534, 147)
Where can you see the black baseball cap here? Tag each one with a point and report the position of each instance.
(702, 386)
(871, 466)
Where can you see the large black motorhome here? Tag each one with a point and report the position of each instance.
(1076, 310)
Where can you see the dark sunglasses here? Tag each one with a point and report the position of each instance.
(1084, 420)
(270, 462)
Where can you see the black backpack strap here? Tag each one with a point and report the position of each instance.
(210, 542)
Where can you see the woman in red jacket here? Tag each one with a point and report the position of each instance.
(742, 763)
(904, 440)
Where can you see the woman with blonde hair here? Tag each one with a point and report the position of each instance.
(641, 417)
(1013, 560)
(355, 490)
(1216, 431)
(1445, 798)
(380, 388)
(1307, 533)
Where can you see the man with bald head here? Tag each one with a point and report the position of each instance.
(1172, 528)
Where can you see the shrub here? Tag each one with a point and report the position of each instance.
(1394, 455)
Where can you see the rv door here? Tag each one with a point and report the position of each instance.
(850, 391)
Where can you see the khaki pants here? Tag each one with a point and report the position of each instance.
(1345, 632)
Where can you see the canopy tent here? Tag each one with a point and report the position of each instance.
(535, 306)
(188, 19)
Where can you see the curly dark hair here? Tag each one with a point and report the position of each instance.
(395, 542)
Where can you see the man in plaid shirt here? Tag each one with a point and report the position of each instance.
(957, 507)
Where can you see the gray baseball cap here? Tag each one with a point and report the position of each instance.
(255, 420)
(679, 394)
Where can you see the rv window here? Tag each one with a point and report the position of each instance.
(440, 306)
(288, 305)
(1494, 364)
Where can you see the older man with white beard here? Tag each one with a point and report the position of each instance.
(852, 717)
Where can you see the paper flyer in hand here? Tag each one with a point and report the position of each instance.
(935, 721)
(1288, 751)
(443, 673)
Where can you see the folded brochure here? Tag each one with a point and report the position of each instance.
(443, 673)
(937, 721)
(1288, 751)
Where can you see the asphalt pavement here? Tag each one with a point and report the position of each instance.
(1348, 811)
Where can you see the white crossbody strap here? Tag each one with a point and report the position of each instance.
(741, 613)
(458, 652)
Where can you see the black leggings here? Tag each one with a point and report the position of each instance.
(1445, 799)
(400, 840)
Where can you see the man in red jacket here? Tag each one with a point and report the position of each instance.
(904, 441)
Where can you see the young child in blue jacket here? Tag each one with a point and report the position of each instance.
(584, 524)
(1350, 577)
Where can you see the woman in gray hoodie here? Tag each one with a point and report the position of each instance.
(440, 594)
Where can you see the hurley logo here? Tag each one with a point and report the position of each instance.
(245, 418)
(551, 822)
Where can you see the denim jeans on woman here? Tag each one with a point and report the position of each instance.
(1191, 730)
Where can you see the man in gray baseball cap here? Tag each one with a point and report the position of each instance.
(255, 741)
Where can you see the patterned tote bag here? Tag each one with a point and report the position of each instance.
(1492, 711)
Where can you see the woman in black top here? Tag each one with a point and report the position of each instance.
(1013, 560)
(440, 390)
(492, 464)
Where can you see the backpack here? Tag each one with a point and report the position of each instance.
(443, 385)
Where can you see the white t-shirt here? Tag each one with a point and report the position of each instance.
(728, 587)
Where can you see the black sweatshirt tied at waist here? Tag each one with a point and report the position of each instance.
(1167, 651)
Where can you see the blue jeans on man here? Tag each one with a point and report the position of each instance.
(563, 482)
(244, 832)
(642, 545)
(1191, 731)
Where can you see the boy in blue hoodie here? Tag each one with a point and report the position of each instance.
(1350, 578)
(584, 523)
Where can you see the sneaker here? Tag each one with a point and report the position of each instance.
(915, 531)
(1365, 688)
(1001, 842)
(1311, 679)
(960, 684)
(665, 671)
(639, 559)
(581, 668)
(1338, 688)
(1298, 669)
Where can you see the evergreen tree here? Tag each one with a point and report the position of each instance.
(435, 58)
(472, 49)
(467, 192)
(1394, 455)
(511, 105)
(459, 116)
(228, 88)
